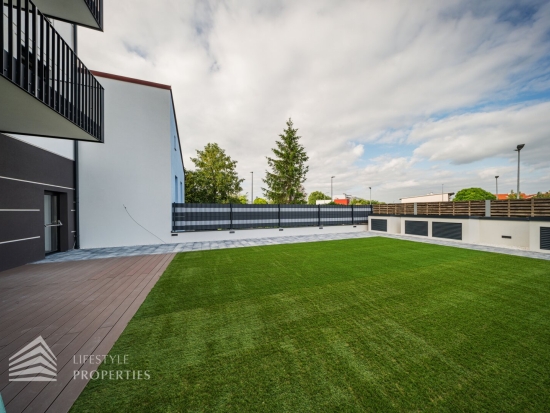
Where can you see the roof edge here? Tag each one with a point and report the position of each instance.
(130, 80)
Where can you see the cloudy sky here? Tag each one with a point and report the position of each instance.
(401, 96)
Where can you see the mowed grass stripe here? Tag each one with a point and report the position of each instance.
(371, 324)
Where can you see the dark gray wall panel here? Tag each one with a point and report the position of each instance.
(20, 160)
(19, 253)
(416, 228)
(379, 224)
(448, 230)
(23, 161)
(19, 225)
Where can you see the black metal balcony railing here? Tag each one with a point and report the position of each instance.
(36, 58)
(96, 8)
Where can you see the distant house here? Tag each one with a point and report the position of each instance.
(343, 199)
(503, 197)
(444, 197)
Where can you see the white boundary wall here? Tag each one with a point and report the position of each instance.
(238, 234)
(524, 234)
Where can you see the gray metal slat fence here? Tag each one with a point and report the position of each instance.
(211, 217)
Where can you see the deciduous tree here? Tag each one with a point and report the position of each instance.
(474, 194)
(215, 179)
(317, 196)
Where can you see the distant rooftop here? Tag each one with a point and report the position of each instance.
(131, 80)
(430, 194)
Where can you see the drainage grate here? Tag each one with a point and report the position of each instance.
(379, 225)
(448, 230)
(416, 228)
(545, 238)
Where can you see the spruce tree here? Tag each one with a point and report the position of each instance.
(288, 169)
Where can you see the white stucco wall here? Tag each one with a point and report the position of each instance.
(524, 234)
(132, 168)
(491, 232)
(200, 236)
(178, 194)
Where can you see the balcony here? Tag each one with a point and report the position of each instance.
(87, 13)
(45, 90)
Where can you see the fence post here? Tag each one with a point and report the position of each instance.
(319, 215)
(439, 208)
(508, 208)
(279, 214)
(352, 221)
(469, 208)
(532, 207)
(230, 216)
(415, 212)
(487, 207)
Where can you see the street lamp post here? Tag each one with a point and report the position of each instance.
(331, 198)
(442, 186)
(496, 181)
(518, 150)
(252, 188)
(370, 195)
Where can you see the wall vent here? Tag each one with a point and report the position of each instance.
(545, 238)
(379, 225)
(416, 228)
(448, 230)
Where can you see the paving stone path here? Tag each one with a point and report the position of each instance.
(96, 253)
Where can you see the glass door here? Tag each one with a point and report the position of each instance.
(51, 222)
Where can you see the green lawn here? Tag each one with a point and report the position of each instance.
(371, 324)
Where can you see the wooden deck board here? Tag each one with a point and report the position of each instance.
(79, 308)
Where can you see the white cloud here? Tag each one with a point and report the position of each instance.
(358, 150)
(350, 73)
(476, 136)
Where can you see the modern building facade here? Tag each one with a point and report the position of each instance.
(46, 92)
(126, 185)
(66, 164)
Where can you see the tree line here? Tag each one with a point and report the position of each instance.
(215, 179)
(479, 194)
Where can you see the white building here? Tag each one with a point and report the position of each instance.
(138, 170)
(444, 197)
